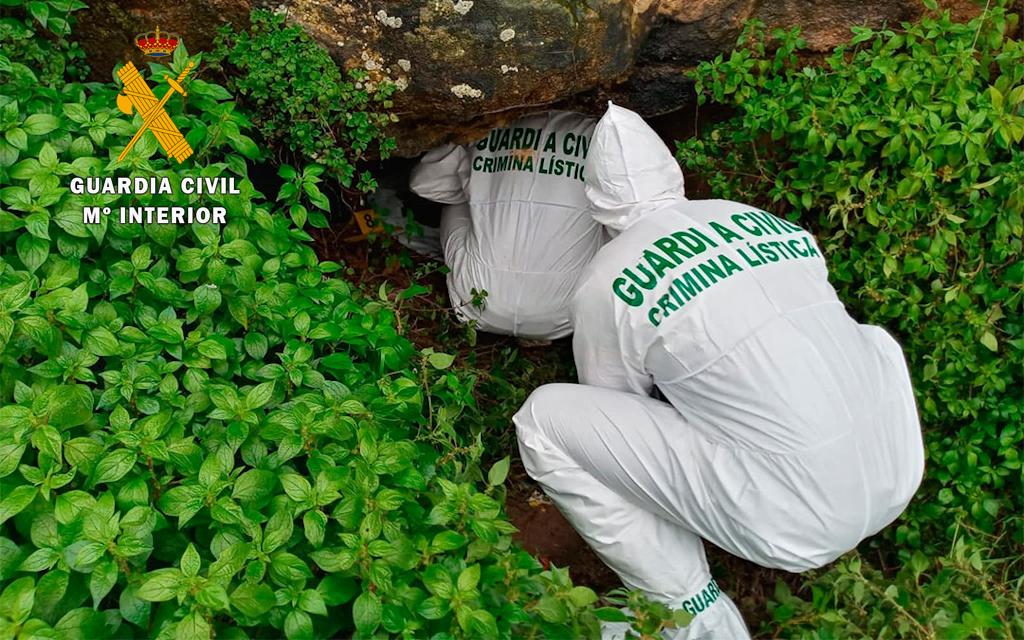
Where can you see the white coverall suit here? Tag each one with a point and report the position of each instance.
(519, 226)
(790, 432)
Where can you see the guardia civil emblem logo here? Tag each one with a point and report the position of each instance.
(136, 96)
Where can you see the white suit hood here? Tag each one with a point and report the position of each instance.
(630, 172)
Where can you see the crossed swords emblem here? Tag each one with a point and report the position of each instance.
(139, 97)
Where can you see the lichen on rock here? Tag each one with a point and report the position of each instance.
(466, 91)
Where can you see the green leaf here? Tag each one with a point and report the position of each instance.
(17, 600)
(312, 602)
(254, 485)
(40, 11)
(39, 560)
(682, 618)
(101, 581)
(76, 112)
(183, 502)
(244, 145)
(101, 342)
(366, 612)
(582, 596)
(297, 487)
(17, 138)
(50, 590)
(440, 360)
(161, 585)
(338, 590)
(989, 340)
(47, 440)
(469, 578)
(134, 609)
(40, 123)
(229, 562)
(206, 298)
(214, 597)
(213, 349)
(253, 600)
(314, 524)
(316, 197)
(10, 457)
(255, 345)
(48, 157)
(434, 608)
(298, 626)
(259, 395)
(190, 562)
(114, 465)
(552, 609)
(193, 627)
(167, 332)
(15, 501)
(483, 624)
(18, 198)
(32, 251)
(438, 581)
(279, 530)
(499, 471)
(288, 568)
(70, 406)
(447, 541)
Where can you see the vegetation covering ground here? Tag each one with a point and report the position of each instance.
(236, 432)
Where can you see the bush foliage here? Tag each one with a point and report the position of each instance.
(301, 99)
(202, 431)
(903, 152)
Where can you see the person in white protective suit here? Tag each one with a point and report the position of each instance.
(790, 431)
(518, 227)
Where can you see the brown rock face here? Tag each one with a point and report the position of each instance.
(470, 64)
(689, 31)
(107, 28)
(467, 65)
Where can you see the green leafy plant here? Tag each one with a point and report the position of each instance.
(53, 57)
(966, 593)
(203, 432)
(302, 100)
(902, 151)
(649, 620)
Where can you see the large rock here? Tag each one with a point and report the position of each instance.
(466, 65)
(107, 28)
(689, 31)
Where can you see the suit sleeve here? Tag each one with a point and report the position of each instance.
(601, 360)
(442, 175)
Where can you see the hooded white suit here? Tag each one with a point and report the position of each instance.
(519, 226)
(790, 432)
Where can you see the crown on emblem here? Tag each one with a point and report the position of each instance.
(156, 44)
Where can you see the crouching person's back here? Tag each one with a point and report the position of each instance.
(518, 227)
(789, 431)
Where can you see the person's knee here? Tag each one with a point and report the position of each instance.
(543, 408)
